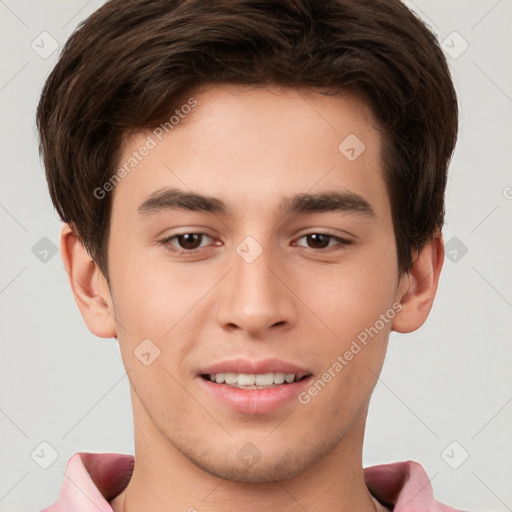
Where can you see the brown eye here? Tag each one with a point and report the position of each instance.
(321, 241)
(318, 240)
(189, 240)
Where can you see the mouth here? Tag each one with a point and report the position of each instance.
(254, 387)
(254, 381)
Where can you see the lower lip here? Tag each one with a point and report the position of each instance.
(256, 401)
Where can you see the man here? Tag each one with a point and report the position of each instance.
(253, 197)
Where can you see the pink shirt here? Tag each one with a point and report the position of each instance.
(93, 479)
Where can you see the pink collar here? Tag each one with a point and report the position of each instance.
(93, 479)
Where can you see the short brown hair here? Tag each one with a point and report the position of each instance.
(132, 61)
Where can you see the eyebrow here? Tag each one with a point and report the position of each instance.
(173, 198)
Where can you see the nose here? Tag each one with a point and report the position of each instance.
(254, 297)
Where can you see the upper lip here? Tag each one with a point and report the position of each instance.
(251, 366)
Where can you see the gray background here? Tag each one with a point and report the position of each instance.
(448, 382)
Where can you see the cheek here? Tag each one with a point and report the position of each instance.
(347, 299)
(353, 336)
(163, 304)
(146, 295)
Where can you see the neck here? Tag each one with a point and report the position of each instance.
(165, 480)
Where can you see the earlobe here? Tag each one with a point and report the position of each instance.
(88, 284)
(417, 288)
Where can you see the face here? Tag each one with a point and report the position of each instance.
(254, 239)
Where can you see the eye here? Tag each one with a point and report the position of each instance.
(187, 241)
(320, 241)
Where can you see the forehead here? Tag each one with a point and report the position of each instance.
(252, 146)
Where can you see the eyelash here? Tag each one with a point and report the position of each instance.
(191, 252)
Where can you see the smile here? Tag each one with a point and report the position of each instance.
(253, 381)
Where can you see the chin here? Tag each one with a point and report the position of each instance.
(271, 466)
(259, 473)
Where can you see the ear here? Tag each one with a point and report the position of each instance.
(88, 284)
(417, 288)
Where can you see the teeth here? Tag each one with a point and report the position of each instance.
(247, 379)
(264, 379)
(279, 377)
(230, 378)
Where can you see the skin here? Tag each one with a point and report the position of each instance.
(251, 147)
